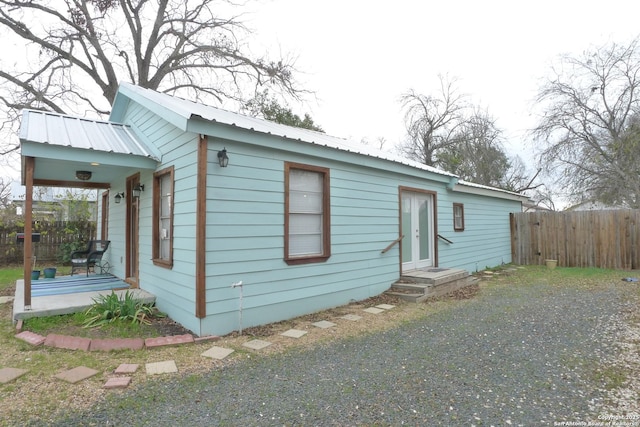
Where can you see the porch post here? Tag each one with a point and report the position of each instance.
(29, 165)
(201, 227)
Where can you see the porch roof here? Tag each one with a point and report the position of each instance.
(64, 144)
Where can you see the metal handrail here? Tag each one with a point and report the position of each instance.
(393, 243)
(445, 239)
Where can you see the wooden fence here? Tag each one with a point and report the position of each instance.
(604, 239)
(55, 238)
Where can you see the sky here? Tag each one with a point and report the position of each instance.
(360, 56)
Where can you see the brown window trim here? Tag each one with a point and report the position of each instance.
(166, 263)
(461, 206)
(326, 216)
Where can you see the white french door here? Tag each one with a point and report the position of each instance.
(417, 228)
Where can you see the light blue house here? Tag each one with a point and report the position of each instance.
(297, 221)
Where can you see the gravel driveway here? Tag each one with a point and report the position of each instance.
(522, 355)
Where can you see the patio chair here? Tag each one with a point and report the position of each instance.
(87, 259)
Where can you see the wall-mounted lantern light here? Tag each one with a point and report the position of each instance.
(118, 197)
(83, 175)
(137, 190)
(223, 159)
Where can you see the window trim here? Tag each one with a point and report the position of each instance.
(461, 207)
(326, 216)
(157, 176)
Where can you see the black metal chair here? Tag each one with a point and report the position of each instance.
(87, 259)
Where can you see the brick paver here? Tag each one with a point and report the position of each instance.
(171, 340)
(31, 338)
(118, 382)
(67, 342)
(116, 344)
(76, 374)
(126, 368)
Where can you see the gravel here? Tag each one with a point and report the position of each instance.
(522, 355)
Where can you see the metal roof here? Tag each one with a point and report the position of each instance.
(44, 127)
(182, 110)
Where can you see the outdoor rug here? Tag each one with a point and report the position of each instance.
(75, 284)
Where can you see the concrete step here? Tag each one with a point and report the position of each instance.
(417, 289)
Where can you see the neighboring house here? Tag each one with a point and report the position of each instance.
(299, 218)
(56, 210)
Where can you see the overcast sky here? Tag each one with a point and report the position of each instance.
(360, 56)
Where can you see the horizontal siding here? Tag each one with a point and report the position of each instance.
(245, 228)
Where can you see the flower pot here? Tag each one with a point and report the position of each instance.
(35, 274)
(49, 273)
(551, 263)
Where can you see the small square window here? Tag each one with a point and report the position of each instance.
(458, 216)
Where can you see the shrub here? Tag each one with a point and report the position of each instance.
(110, 308)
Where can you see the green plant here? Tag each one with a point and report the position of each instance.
(111, 308)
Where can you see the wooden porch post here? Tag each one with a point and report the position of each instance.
(201, 227)
(29, 165)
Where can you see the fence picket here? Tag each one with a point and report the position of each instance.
(605, 239)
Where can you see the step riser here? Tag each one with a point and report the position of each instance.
(419, 293)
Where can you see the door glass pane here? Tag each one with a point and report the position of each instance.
(423, 220)
(406, 229)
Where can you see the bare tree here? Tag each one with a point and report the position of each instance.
(589, 132)
(432, 121)
(84, 48)
(477, 153)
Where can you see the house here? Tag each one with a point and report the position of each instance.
(208, 209)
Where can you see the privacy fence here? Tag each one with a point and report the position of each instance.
(57, 240)
(604, 239)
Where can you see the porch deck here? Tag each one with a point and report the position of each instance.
(67, 294)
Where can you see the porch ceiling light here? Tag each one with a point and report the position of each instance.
(137, 190)
(118, 197)
(83, 175)
(223, 159)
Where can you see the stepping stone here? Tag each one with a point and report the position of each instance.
(9, 374)
(373, 310)
(294, 333)
(4, 300)
(324, 324)
(385, 306)
(352, 317)
(126, 368)
(118, 382)
(256, 344)
(31, 338)
(67, 342)
(217, 352)
(76, 374)
(157, 368)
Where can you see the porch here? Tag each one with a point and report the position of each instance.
(69, 294)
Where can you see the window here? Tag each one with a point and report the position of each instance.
(163, 218)
(458, 216)
(307, 218)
